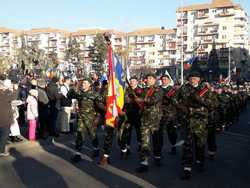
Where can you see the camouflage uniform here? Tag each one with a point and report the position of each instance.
(195, 121)
(223, 100)
(150, 119)
(168, 119)
(213, 120)
(87, 101)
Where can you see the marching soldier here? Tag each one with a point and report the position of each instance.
(194, 103)
(169, 114)
(87, 101)
(133, 112)
(150, 121)
(223, 100)
(213, 120)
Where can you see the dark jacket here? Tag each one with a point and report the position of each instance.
(53, 93)
(6, 113)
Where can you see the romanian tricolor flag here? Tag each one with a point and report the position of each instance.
(115, 98)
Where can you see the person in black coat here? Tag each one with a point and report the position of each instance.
(53, 95)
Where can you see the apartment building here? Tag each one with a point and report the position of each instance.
(154, 47)
(200, 26)
(85, 37)
(9, 42)
(52, 41)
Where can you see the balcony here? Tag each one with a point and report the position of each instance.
(239, 41)
(144, 42)
(224, 14)
(52, 39)
(210, 24)
(201, 16)
(239, 25)
(182, 17)
(180, 35)
(33, 40)
(179, 43)
(4, 45)
(206, 33)
(240, 18)
(208, 40)
(137, 58)
(201, 50)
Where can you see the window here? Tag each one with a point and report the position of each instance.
(151, 37)
(224, 27)
(141, 39)
(224, 36)
(225, 10)
(172, 52)
(204, 46)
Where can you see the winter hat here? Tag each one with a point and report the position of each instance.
(33, 92)
(7, 83)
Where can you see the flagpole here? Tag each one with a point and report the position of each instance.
(182, 44)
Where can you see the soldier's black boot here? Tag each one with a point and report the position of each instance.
(124, 154)
(76, 158)
(211, 155)
(158, 161)
(200, 166)
(139, 148)
(128, 151)
(186, 174)
(96, 152)
(172, 150)
(142, 168)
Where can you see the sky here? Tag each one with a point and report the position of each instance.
(124, 15)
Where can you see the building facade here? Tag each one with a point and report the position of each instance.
(51, 41)
(199, 27)
(85, 38)
(153, 47)
(9, 42)
(220, 24)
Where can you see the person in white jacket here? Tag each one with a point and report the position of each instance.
(14, 127)
(63, 118)
(32, 113)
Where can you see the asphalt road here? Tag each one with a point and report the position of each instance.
(46, 164)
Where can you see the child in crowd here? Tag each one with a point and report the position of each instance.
(32, 113)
